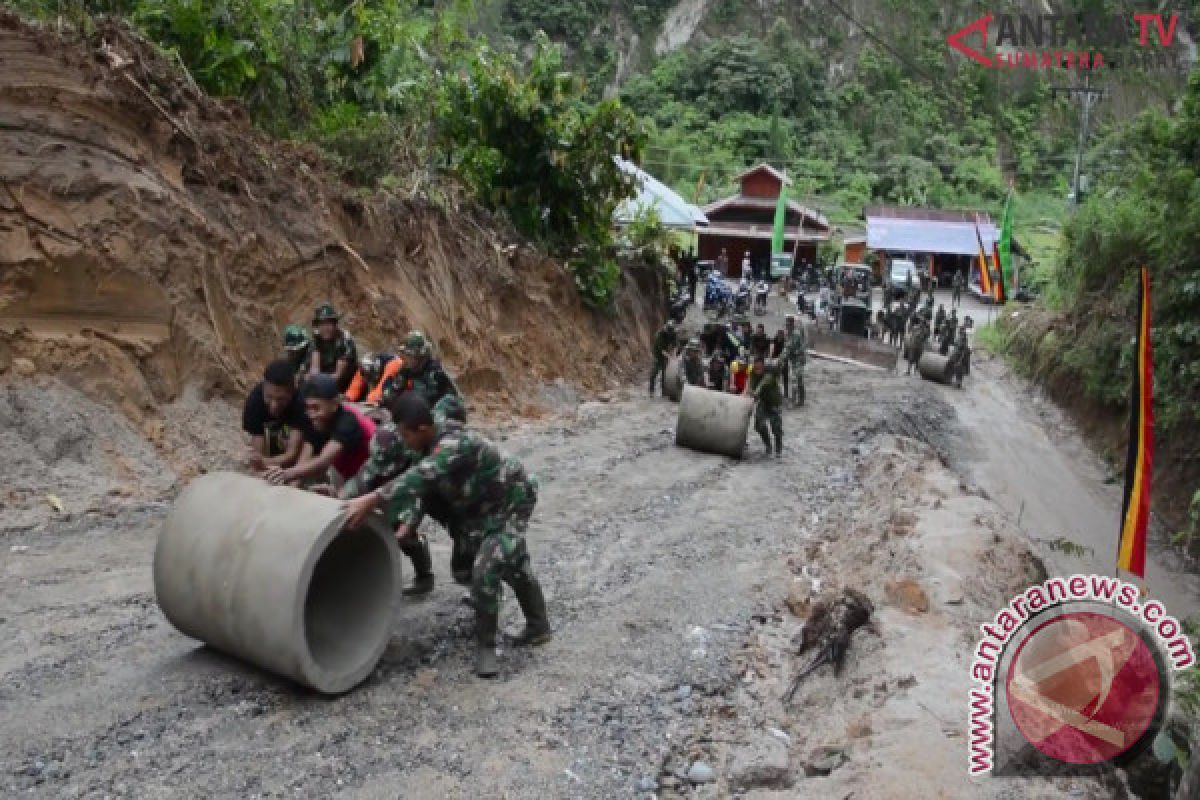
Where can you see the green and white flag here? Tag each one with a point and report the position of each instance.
(780, 219)
(1005, 245)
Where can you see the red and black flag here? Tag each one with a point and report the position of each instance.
(1135, 510)
(998, 276)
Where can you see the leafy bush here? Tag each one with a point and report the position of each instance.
(526, 141)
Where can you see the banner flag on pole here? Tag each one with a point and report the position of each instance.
(1139, 458)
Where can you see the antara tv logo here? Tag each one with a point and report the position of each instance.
(1062, 41)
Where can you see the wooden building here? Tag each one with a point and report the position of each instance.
(745, 223)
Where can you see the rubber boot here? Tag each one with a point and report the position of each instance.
(533, 606)
(487, 665)
(417, 551)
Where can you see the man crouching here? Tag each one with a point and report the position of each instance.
(493, 497)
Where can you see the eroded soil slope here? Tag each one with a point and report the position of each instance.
(153, 245)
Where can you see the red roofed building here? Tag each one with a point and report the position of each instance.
(745, 222)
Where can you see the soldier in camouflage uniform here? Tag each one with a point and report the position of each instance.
(494, 497)
(665, 342)
(768, 403)
(795, 355)
(960, 356)
(693, 365)
(915, 345)
(421, 374)
(333, 349)
(297, 345)
(388, 459)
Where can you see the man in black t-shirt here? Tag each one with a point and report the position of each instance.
(274, 419)
(337, 436)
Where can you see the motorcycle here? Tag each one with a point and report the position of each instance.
(717, 297)
(761, 292)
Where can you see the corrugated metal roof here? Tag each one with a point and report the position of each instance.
(927, 230)
(673, 210)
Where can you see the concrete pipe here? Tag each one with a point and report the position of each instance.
(713, 422)
(673, 379)
(935, 367)
(266, 574)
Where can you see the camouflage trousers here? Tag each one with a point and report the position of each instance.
(794, 380)
(772, 421)
(502, 556)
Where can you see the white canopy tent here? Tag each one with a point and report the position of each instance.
(673, 210)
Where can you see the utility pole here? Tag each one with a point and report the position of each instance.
(1088, 97)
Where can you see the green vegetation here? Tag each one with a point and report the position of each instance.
(389, 87)
(884, 133)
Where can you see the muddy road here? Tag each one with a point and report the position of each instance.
(675, 582)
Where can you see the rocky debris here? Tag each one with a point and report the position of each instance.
(763, 763)
(647, 785)
(699, 773)
(824, 760)
(907, 595)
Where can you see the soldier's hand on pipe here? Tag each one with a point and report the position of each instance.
(405, 531)
(358, 508)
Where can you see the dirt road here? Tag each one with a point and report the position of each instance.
(674, 581)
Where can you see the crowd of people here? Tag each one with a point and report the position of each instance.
(740, 359)
(388, 435)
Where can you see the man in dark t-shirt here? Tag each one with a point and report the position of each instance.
(338, 436)
(274, 419)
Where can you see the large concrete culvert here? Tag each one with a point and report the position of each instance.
(267, 574)
(713, 422)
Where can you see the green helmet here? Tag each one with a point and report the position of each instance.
(324, 313)
(295, 338)
(416, 345)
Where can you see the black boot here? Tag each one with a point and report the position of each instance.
(417, 550)
(533, 605)
(487, 665)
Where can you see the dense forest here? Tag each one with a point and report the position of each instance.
(522, 103)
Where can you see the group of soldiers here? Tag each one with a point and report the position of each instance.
(916, 327)
(388, 435)
(741, 360)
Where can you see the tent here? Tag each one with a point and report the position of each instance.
(673, 210)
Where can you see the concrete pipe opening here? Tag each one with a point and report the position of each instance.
(348, 602)
(267, 574)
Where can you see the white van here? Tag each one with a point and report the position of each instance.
(898, 277)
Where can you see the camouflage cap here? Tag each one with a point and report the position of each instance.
(325, 312)
(295, 338)
(415, 344)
